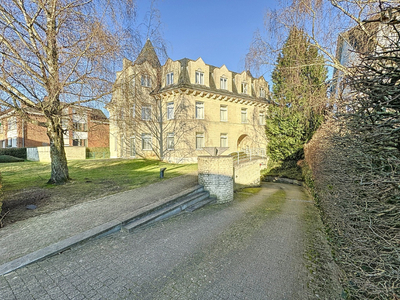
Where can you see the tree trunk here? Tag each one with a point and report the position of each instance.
(59, 167)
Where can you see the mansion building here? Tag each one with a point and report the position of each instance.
(174, 111)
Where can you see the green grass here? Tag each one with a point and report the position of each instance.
(87, 174)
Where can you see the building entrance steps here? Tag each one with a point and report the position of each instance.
(33, 239)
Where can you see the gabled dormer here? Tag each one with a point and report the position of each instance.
(199, 73)
(223, 78)
(244, 83)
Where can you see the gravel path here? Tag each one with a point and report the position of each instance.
(252, 248)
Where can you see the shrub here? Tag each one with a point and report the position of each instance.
(16, 152)
(9, 158)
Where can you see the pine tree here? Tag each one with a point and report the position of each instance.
(299, 94)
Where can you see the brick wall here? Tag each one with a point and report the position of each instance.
(216, 175)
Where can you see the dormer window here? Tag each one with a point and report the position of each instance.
(145, 81)
(244, 87)
(223, 83)
(170, 78)
(262, 93)
(199, 77)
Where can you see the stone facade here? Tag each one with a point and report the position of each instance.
(216, 175)
(172, 111)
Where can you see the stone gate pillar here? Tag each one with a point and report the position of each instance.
(216, 175)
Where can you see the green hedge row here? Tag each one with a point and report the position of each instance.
(98, 152)
(16, 152)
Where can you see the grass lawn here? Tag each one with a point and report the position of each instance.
(26, 182)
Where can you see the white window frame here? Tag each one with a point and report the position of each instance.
(223, 113)
(261, 118)
(199, 77)
(200, 140)
(262, 93)
(170, 78)
(199, 110)
(146, 142)
(223, 140)
(145, 80)
(244, 87)
(170, 141)
(170, 111)
(223, 83)
(146, 112)
(243, 115)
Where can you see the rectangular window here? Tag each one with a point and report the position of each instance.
(80, 126)
(14, 142)
(244, 115)
(133, 110)
(12, 123)
(133, 149)
(262, 93)
(170, 110)
(170, 141)
(223, 113)
(223, 83)
(199, 140)
(261, 118)
(145, 81)
(244, 87)
(146, 141)
(79, 142)
(199, 77)
(146, 112)
(224, 140)
(9, 144)
(170, 78)
(199, 110)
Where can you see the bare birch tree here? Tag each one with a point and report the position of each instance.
(57, 53)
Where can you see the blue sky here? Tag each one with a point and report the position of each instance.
(219, 31)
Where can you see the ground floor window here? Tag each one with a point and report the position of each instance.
(80, 142)
(170, 141)
(146, 141)
(224, 140)
(199, 140)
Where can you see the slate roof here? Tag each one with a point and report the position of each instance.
(148, 54)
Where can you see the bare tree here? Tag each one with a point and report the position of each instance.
(324, 22)
(57, 53)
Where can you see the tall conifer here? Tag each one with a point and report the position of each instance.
(299, 94)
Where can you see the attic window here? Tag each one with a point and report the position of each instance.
(262, 93)
(170, 78)
(223, 83)
(145, 81)
(199, 77)
(244, 87)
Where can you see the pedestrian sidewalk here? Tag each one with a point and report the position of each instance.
(32, 239)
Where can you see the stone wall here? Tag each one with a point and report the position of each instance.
(43, 153)
(216, 175)
(248, 173)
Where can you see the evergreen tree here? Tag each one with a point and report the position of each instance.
(299, 94)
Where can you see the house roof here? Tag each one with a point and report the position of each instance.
(148, 54)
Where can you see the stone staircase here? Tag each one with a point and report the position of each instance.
(187, 200)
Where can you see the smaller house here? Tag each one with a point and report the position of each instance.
(83, 126)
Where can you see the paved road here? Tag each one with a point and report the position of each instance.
(251, 248)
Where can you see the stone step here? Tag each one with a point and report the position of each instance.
(200, 204)
(173, 207)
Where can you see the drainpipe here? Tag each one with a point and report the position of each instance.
(23, 133)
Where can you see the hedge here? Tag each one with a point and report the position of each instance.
(16, 152)
(98, 152)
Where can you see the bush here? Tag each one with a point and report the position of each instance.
(98, 152)
(9, 158)
(16, 152)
